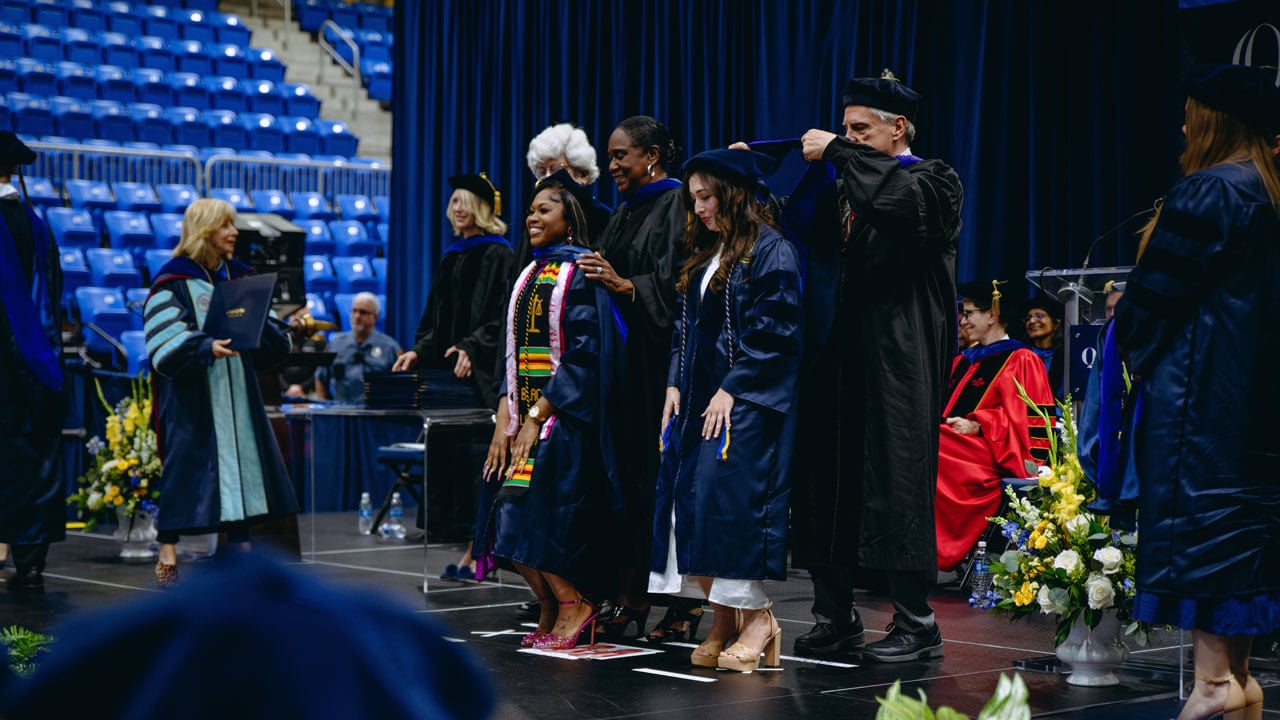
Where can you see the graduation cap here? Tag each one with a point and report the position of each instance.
(13, 151)
(987, 296)
(1246, 93)
(747, 168)
(565, 180)
(1047, 303)
(885, 92)
(481, 186)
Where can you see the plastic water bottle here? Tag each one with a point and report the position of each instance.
(393, 528)
(980, 570)
(365, 523)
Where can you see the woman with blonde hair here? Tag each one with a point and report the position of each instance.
(1207, 435)
(221, 469)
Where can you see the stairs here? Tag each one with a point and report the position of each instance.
(305, 62)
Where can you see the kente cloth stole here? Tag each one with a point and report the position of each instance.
(535, 339)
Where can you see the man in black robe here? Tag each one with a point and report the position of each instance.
(32, 499)
(882, 326)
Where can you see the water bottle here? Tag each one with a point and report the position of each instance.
(393, 528)
(365, 523)
(980, 570)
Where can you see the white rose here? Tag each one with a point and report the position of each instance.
(1045, 471)
(1077, 525)
(1110, 557)
(1068, 560)
(1102, 594)
(1046, 602)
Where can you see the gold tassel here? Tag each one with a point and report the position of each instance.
(497, 196)
(996, 295)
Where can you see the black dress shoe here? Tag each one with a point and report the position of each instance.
(529, 610)
(30, 580)
(903, 646)
(828, 639)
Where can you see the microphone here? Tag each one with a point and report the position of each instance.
(1155, 207)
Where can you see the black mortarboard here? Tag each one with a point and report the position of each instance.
(562, 178)
(1047, 303)
(885, 92)
(481, 186)
(1248, 94)
(13, 151)
(987, 295)
(743, 167)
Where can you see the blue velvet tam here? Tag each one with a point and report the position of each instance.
(884, 93)
(747, 168)
(1248, 94)
(13, 151)
(481, 186)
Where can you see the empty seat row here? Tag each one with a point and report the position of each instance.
(50, 25)
(311, 15)
(344, 274)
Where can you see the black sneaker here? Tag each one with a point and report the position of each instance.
(30, 580)
(903, 646)
(529, 610)
(828, 639)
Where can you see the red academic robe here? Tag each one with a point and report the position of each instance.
(970, 467)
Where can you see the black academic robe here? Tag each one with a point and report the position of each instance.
(644, 242)
(219, 459)
(871, 401)
(32, 497)
(465, 307)
(731, 495)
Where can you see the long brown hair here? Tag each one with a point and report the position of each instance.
(739, 216)
(1214, 138)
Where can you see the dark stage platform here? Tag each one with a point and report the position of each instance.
(84, 574)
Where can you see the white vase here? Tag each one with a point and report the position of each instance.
(136, 534)
(1095, 653)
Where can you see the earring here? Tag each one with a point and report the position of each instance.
(650, 169)
(569, 239)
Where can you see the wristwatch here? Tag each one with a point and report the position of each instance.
(534, 414)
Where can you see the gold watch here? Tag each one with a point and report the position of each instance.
(535, 414)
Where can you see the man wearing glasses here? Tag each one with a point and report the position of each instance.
(360, 351)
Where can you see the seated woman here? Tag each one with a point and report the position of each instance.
(552, 449)
(988, 431)
(723, 491)
(1043, 325)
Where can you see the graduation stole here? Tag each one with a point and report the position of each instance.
(535, 342)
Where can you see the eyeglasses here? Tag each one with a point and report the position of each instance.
(542, 172)
(362, 311)
(1035, 316)
(966, 314)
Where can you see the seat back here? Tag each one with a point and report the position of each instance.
(355, 274)
(128, 229)
(72, 227)
(110, 267)
(311, 206)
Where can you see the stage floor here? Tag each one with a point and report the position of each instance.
(84, 574)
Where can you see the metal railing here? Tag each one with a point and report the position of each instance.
(329, 178)
(60, 162)
(353, 67)
(288, 19)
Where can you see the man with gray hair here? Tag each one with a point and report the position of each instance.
(363, 349)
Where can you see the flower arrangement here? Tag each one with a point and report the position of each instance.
(126, 468)
(1062, 559)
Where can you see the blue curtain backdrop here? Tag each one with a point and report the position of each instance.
(1062, 118)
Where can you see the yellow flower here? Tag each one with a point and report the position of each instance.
(112, 491)
(1027, 594)
(119, 500)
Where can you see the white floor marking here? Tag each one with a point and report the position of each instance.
(681, 676)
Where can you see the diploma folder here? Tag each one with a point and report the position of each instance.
(238, 310)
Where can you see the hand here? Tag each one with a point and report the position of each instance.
(670, 408)
(814, 143)
(739, 146)
(599, 269)
(717, 414)
(499, 448)
(222, 349)
(964, 426)
(461, 368)
(523, 445)
(406, 361)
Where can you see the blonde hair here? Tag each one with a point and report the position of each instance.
(481, 209)
(202, 218)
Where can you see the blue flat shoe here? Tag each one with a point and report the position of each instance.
(450, 572)
(466, 573)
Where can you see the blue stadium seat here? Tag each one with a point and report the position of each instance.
(356, 207)
(373, 17)
(104, 308)
(227, 93)
(311, 14)
(230, 28)
(383, 231)
(355, 274)
(86, 15)
(175, 197)
(206, 5)
(342, 14)
(72, 227)
(114, 83)
(264, 65)
(94, 162)
(272, 201)
(158, 21)
(75, 273)
(41, 192)
(373, 45)
(342, 303)
(152, 86)
(110, 267)
(191, 56)
(383, 204)
(121, 19)
(195, 25)
(117, 49)
(311, 206)
(37, 77)
(29, 114)
(41, 43)
(189, 90)
(5, 119)
(90, 195)
(352, 240)
(76, 80)
(128, 229)
(189, 126)
(380, 269)
(50, 13)
(225, 129)
(229, 59)
(79, 46)
(319, 240)
(11, 43)
(237, 197)
(300, 134)
(151, 123)
(138, 197)
(318, 274)
(168, 229)
(317, 307)
(71, 116)
(298, 100)
(264, 97)
(156, 259)
(154, 52)
(137, 361)
(336, 138)
(8, 72)
(206, 153)
(111, 120)
(263, 131)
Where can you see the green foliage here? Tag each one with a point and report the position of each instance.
(1008, 703)
(23, 646)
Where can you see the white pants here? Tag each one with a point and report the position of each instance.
(730, 592)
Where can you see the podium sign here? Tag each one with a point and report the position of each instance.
(1083, 294)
